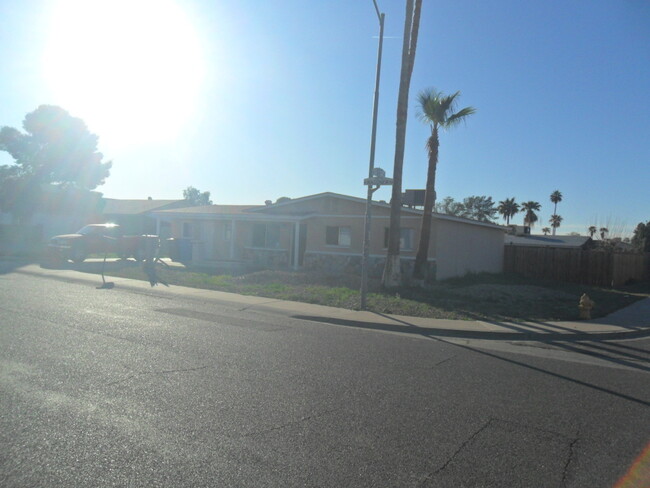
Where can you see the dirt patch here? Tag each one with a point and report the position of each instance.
(477, 297)
(528, 293)
(300, 278)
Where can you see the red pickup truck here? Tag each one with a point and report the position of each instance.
(101, 239)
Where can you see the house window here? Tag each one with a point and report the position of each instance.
(187, 230)
(266, 236)
(227, 231)
(337, 236)
(191, 230)
(405, 238)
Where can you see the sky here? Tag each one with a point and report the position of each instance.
(255, 100)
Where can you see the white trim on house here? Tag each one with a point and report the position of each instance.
(359, 216)
(232, 217)
(296, 245)
(273, 249)
(256, 212)
(359, 254)
(374, 204)
(232, 239)
(328, 194)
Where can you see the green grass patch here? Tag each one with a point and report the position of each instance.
(489, 297)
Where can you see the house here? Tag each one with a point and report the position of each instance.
(64, 210)
(325, 231)
(52, 210)
(61, 210)
(134, 216)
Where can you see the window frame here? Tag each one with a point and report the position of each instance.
(276, 229)
(402, 238)
(343, 234)
(187, 230)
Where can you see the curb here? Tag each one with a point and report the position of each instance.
(262, 304)
(493, 336)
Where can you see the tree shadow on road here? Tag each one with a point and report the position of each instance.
(94, 266)
(9, 265)
(573, 343)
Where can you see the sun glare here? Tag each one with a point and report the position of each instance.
(132, 69)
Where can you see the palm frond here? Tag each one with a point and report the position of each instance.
(428, 100)
(458, 117)
(436, 108)
(445, 106)
(555, 220)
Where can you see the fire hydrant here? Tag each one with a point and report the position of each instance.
(585, 306)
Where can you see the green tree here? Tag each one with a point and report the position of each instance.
(479, 208)
(392, 271)
(196, 197)
(592, 231)
(54, 149)
(546, 231)
(508, 208)
(449, 206)
(438, 111)
(641, 237)
(603, 232)
(555, 221)
(529, 208)
(19, 196)
(556, 197)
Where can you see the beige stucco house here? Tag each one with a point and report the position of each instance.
(326, 231)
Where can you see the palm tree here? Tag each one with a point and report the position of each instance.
(603, 232)
(555, 221)
(437, 110)
(556, 197)
(508, 208)
(592, 231)
(392, 269)
(546, 231)
(530, 217)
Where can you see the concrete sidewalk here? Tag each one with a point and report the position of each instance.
(630, 322)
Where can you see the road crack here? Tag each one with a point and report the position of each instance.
(292, 423)
(445, 360)
(462, 446)
(565, 471)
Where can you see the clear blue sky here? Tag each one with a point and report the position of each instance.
(281, 104)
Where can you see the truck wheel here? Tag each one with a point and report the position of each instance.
(139, 254)
(78, 255)
(55, 257)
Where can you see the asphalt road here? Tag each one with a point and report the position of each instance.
(124, 388)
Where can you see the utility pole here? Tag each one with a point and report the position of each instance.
(371, 166)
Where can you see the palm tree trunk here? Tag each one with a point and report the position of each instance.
(392, 271)
(420, 269)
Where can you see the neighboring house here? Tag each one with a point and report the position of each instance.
(325, 231)
(134, 216)
(563, 242)
(58, 211)
(65, 211)
(615, 244)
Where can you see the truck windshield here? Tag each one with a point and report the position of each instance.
(111, 230)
